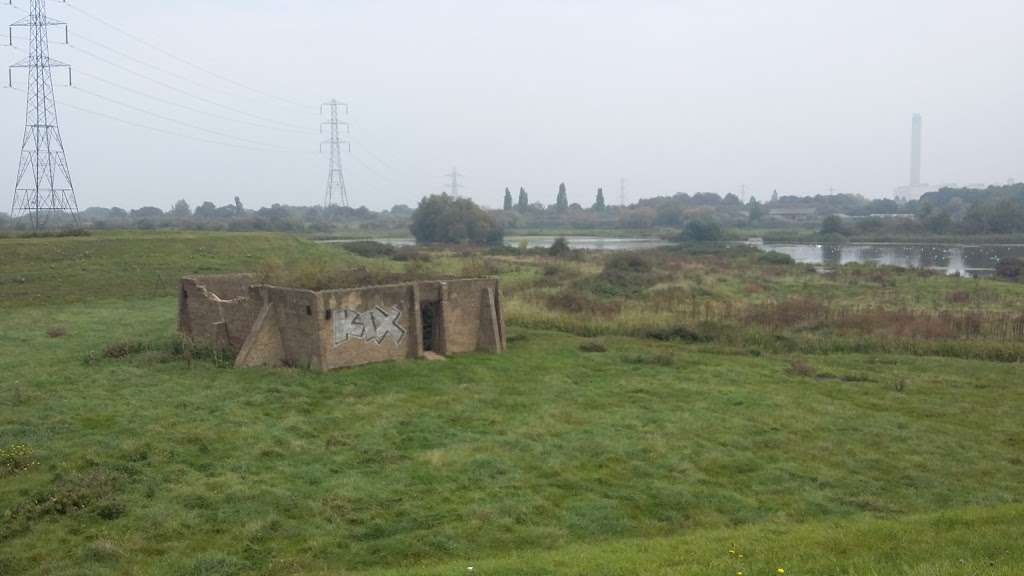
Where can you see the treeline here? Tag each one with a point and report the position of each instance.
(994, 210)
(235, 217)
(677, 210)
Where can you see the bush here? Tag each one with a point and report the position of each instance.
(1010, 269)
(624, 274)
(370, 249)
(446, 220)
(560, 248)
(776, 258)
(702, 230)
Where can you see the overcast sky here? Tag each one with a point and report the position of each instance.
(674, 96)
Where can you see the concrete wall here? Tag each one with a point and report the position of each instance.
(273, 326)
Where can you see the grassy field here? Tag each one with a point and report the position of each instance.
(568, 455)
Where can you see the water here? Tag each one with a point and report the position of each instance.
(575, 242)
(967, 260)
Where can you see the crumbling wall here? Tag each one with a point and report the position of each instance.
(472, 316)
(367, 325)
(273, 326)
(218, 311)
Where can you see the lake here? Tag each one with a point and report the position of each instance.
(968, 260)
(575, 242)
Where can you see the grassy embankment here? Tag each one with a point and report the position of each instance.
(742, 299)
(648, 457)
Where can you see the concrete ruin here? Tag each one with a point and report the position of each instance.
(271, 326)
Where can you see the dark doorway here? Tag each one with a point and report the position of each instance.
(429, 320)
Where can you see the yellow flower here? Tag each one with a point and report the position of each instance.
(781, 571)
(733, 552)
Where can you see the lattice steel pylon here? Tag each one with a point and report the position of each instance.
(336, 192)
(44, 185)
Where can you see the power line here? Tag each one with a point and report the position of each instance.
(454, 186)
(190, 108)
(335, 175)
(179, 122)
(215, 74)
(165, 131)
(180, 90)
(44, 184)
(181, 77)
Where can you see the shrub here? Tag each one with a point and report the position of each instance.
(370, 249)
(776, 258)
(560, 248)
(702, 230)
(624, 274)
(1010, 269)
(447, 220)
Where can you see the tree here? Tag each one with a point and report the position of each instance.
(239, 209)
(181, 209)
(442, 219)
(147, 212)
(508, 199)
(524, 200)
(755, 210)
(702, 230)
(599, 201)
(562, 202)
(116, 212)
(207, 211)
(833, 225)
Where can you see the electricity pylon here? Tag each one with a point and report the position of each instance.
(44, 183)
(454, 186)
(336, 191)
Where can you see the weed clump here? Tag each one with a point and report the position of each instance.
(16, 458)
(579, 302)
(120, 350)
(776, 259)
(370, 249)
(650, 360)
(625, 274)
(593, 347)
(800, 367)
(57, 332)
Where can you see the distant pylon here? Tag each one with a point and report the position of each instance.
(336, 192)
(454, 186)
(44, 181)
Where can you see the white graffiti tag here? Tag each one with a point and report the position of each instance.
(375, 326)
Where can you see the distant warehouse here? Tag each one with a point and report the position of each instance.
(325, 330)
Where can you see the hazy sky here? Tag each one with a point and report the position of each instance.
(675, 96)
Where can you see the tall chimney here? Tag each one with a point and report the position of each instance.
(915, 151)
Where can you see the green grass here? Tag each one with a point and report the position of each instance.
(127, 265)
(647, 458)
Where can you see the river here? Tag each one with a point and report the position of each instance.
(964, 259)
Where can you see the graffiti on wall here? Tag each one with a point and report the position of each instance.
(375, 326)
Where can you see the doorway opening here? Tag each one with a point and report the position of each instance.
(429, 318)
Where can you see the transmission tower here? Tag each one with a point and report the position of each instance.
(44, 181)
(336, 192)
(454, 186)
(622, 192)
